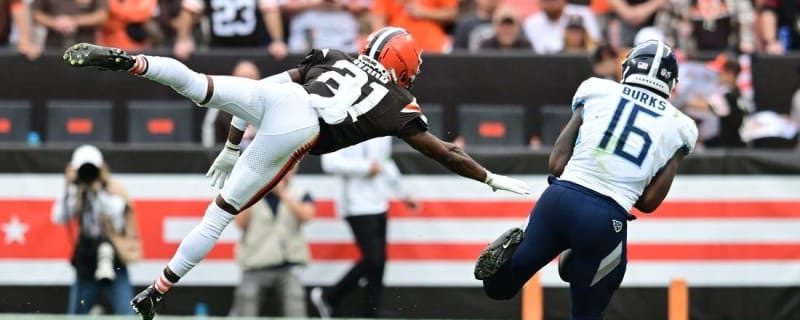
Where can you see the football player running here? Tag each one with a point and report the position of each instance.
(330, 101)
(620, 149)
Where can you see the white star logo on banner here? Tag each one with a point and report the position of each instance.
(15, 231)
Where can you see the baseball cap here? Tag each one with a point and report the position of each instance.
(575, 22)
(647, 34)
(86, 154)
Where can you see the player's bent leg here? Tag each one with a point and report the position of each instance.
(264, 163)
(564, 260)
(543, 239)
(497, 253)
(261, 166)
(166, 71)
(241, 97)
(594, 280)
(237, 96)
(193, 248)
(599, 255)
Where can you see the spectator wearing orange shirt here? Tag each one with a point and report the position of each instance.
(424, 19)
(126, 24)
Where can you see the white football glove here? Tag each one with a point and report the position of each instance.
(223, 165)
(500, 182)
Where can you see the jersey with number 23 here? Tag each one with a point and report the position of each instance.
(627, 135)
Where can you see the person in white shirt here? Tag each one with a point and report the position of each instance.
(331, 24)
(366, 170)
(545, 29)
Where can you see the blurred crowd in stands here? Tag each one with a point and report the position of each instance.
(294, 26)
(718, 94)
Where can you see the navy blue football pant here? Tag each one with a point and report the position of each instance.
(570, 216)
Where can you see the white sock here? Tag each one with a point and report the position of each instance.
(179, 77)
(200, 240)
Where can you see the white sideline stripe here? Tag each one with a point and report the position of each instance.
(434, 273)
(425, 187)
(714, 231)
(672, 231)
(406, 230)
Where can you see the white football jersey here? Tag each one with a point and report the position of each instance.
(628, 134)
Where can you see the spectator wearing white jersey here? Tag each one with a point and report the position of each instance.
(545, 29)
(366, 170)
(331, 24)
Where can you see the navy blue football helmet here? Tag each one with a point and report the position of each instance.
(651, 65)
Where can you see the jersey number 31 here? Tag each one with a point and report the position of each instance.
(630, 128)
(348, 75)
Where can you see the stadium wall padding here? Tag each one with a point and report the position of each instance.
(180, 159)
(737, 213)
(532, 81)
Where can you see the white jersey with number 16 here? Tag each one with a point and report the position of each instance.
(628, 134)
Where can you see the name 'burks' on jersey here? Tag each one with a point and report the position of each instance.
(382, 107)
(644, 98)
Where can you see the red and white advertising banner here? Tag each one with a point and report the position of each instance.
(712, 230)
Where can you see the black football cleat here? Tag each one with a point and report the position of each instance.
(563, 264)
(106, 58)
(145, 302)
(497, 253)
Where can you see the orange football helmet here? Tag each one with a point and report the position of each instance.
(396, 50)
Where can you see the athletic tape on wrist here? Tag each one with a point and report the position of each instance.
(231, 146)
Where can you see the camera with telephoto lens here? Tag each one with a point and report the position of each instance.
(87, 174)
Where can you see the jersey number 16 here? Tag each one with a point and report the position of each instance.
(630, 128)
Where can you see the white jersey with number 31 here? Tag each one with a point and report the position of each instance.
(628, 134)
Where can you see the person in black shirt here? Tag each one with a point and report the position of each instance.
(474, 27)
(330, 101)
(233, 24)
(777, 17)
(507, 32)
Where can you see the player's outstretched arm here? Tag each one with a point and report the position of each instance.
(562, 150)
(458, 161)
(657, 190)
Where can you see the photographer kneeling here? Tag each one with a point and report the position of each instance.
(107, 236)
